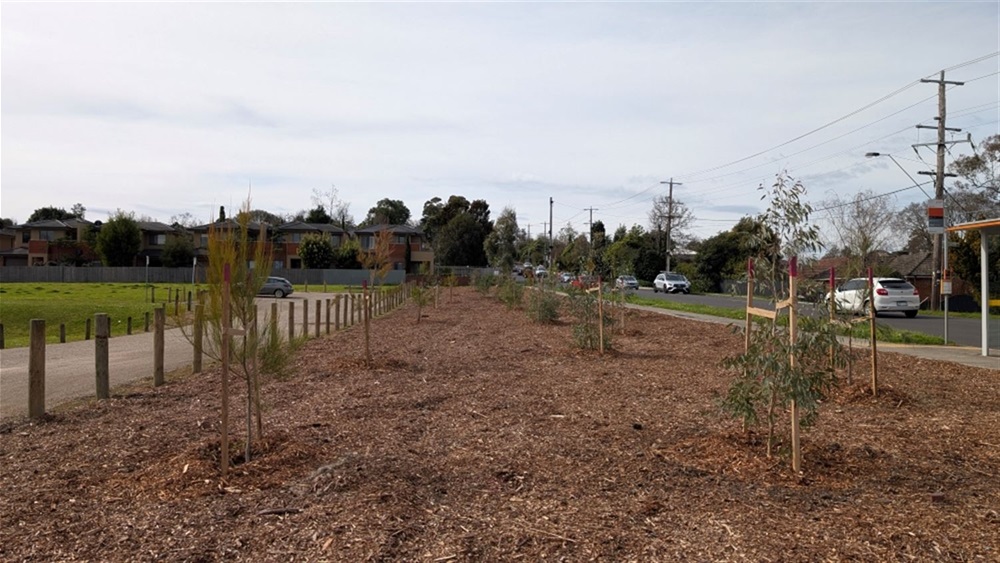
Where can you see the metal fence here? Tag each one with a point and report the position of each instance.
(100, 274)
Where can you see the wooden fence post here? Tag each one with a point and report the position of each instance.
(159, 322)
(600, 314)
(86, 331)
(366, 304)
(177, 302)
(62, 333)
(305, 318)
(36, 369)
(146, 324)
(328, 315)
(227, 324)
(2, 343)
(152, 294)
(871, 329)
(128, 325)
(336, 313)
(199, 331)
(101, 347)
(793, 289)
(274, 321)
(291, 321)
(319, 315)
(189, 301)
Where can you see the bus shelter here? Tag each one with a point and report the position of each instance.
(985, 228)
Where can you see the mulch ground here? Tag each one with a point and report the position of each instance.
(478, 435)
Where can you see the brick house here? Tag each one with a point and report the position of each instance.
(288, 237)
(408, 250)
(50, 241)
(200, 236)
(154, 237)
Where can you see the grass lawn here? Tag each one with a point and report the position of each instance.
(73, 303)
(884, 333)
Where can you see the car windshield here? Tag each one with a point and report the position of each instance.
(676, 277)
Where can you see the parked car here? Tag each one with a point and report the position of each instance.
(891, 294)
(669, 282)
(278, 287)
(626, 282)
(541, 272)
(584, 282)
(565, 277)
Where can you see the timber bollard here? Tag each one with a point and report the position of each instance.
(319, 315)
(328, 316)
(128, 325)
(36, 369)
(177, 303)
(189, 301)
(274, 323)
(336, 313)
(159, 322)
(86, 330)
(62, 333)
(199, 331)
(152, 294)
(291, 321)
(305, 318)
(2, 343)
(146, 314)
(101, 348)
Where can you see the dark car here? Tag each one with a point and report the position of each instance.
(278, 287)
(627, 282)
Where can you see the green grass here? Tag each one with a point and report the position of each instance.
(883, 333)
(73, 303)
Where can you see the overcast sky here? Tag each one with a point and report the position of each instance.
(162, 109)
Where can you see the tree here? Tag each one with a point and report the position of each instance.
(119, 239)
(378, 260)
(861, 226)
(457, 230)
(185, 220)
(266, 218)
(975, 197)
(52, 213)
(978, 174)
(501, 243)
(78, 210)
(347, 255)
(222, 213)
(318, 215)
(336, 208)
(388, 212)
(177, 252)
(911, 223)
(725, 255)
(5, 222)
(316, 251)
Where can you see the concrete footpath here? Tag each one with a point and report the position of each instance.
(70, 369)
(966, 355)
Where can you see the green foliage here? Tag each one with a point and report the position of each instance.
(346, 256)
(457, 230)
(316, 251)
(387, 212)
(724, 256)
(543, 304)
(584, 308)
(421, 296)
(510, 292)
(768, 380)
(55, 213)
(501, 243)
(484, 282)
(318, 215)
(119, 240)
(178, 252)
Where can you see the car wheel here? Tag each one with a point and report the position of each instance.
(279, 293)
(686, 291)
(655, 290)
(910, 314)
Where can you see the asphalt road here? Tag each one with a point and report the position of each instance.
(961, 331)
(70, 368)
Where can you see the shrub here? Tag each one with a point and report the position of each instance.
(543, 305)
(584, 308)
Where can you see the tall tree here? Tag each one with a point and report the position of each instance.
(501, 243)
(457, 230)
(177, 252)
(119, 239)
(862, 227)
(51, 213)
(316, 251)
(334, 206)
(318, 215)
(673, 216)
(388, 212)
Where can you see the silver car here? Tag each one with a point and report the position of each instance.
(278, 287)
(669, 282)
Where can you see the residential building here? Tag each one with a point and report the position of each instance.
(46, 242)
(288, 237)
(408, 249)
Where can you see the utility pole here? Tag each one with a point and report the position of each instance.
(552, 246)
(590, 225)
(670, 216)
(939, 176)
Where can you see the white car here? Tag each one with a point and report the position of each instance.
(541, 272)
(891, 294)
(669, 282)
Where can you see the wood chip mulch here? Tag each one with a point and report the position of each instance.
(478, 435)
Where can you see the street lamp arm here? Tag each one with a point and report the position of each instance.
(915, 183)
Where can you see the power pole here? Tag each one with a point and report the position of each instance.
(939, 176)
(670, 216)
(552, 246)
(590, 225)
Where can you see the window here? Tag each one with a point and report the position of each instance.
(48, 235)
(204, 240)
(368, 242)
(335, 240)
(157, 239)
(399, 239)
(294, 237)
(278, 264)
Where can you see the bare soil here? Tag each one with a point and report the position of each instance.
(478, 435)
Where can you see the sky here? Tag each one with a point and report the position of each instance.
(167, 108)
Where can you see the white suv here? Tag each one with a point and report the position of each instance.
(891, 294)
(669, 282)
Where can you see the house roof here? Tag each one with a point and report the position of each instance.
(155, 227)
(55, 224)
(8, 232)
(300, 226)
(394, 229)
(912, 264)
(228, 224)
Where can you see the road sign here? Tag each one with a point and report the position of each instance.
(935, 216)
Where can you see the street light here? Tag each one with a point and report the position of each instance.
(912, 179)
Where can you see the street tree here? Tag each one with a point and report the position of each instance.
(318, 215)
(501, 243)
(388, 212)
(335, 207)
(119, 239)
(671, 220)
(55, 213)
(457, 230)
(178, 252)
(862, 227)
